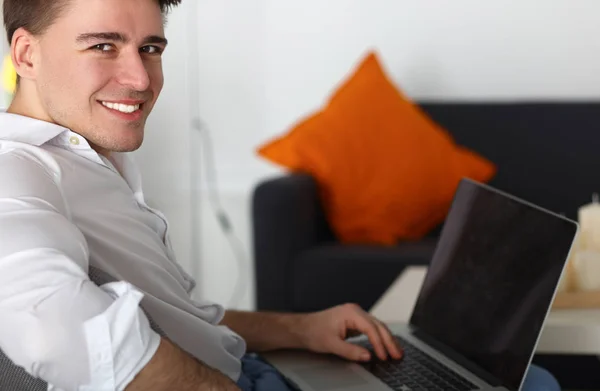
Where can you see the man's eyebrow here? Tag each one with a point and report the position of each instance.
(155, 39)
(118, 37)
(93, 37)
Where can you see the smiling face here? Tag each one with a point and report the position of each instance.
(97, 70)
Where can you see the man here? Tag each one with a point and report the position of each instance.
(89, 75)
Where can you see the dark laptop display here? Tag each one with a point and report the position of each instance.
(499, 260)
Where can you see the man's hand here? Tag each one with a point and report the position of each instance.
(326, 332)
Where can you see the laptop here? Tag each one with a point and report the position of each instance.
(480, 311)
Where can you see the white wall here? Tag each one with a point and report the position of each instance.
(232, 76)
(266, 63)
(464, 49)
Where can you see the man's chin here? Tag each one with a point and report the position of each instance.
(127, 139)
(128, 147)
(120, 146)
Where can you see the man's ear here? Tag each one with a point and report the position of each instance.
(24, 54)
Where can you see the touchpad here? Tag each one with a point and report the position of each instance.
(330, 377)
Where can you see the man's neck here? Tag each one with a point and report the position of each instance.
(29, 106)
(100, 151)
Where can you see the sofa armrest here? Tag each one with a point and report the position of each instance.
(287, 219)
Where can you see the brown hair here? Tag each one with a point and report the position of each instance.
(37, 15)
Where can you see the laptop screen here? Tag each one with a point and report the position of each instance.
(492, 279)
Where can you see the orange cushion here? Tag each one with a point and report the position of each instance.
(386, 171)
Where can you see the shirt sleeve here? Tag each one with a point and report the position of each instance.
(56, 323)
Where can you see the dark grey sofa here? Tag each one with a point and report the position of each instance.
(546, 152)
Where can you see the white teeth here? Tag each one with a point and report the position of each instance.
(121, 107)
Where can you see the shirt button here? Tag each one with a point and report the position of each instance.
(74, 140)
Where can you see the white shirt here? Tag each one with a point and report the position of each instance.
(63, 207)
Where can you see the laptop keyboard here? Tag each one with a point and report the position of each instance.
(416, 371)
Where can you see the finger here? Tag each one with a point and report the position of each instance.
(365, 324)
(350, 351)
(389, 341)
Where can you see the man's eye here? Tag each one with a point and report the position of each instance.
(151, 49)
(103, 47)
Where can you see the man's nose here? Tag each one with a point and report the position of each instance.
(133, 73)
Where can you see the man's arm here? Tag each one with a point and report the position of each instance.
(265, 331)
(321, 332)
(173, 369)
(57, 324)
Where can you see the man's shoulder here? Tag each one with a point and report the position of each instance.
(20, 162)
(30, 177)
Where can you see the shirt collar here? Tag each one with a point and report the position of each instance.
(14, 127)
(19, 128)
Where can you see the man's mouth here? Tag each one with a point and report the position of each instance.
(123, 108)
